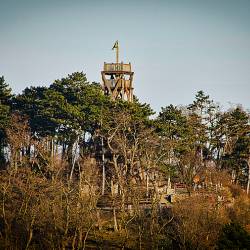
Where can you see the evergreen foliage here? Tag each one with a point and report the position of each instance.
(233, 236)
(5, 109)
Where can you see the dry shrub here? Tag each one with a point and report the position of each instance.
(43, 214)
(212, 176)
(19, 139)
(239, 213)
(235, 190)
(198, 221)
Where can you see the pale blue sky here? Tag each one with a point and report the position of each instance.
(176, 47)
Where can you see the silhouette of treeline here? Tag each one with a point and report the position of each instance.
(80, 171)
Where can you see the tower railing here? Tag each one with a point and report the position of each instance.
(124, 67)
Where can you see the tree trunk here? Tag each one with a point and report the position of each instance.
(233, 178)
(103, 168)
(248, 181)
(115, 220)
(72, 156)
(147, 184)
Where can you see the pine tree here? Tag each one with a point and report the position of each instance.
(5, 109)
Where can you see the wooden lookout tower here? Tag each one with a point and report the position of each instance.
(117, 79)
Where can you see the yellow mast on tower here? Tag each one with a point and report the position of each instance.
(116, 47)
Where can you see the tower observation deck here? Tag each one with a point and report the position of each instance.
(117, 79)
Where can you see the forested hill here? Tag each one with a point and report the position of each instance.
(73, 109)
(67, 153)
